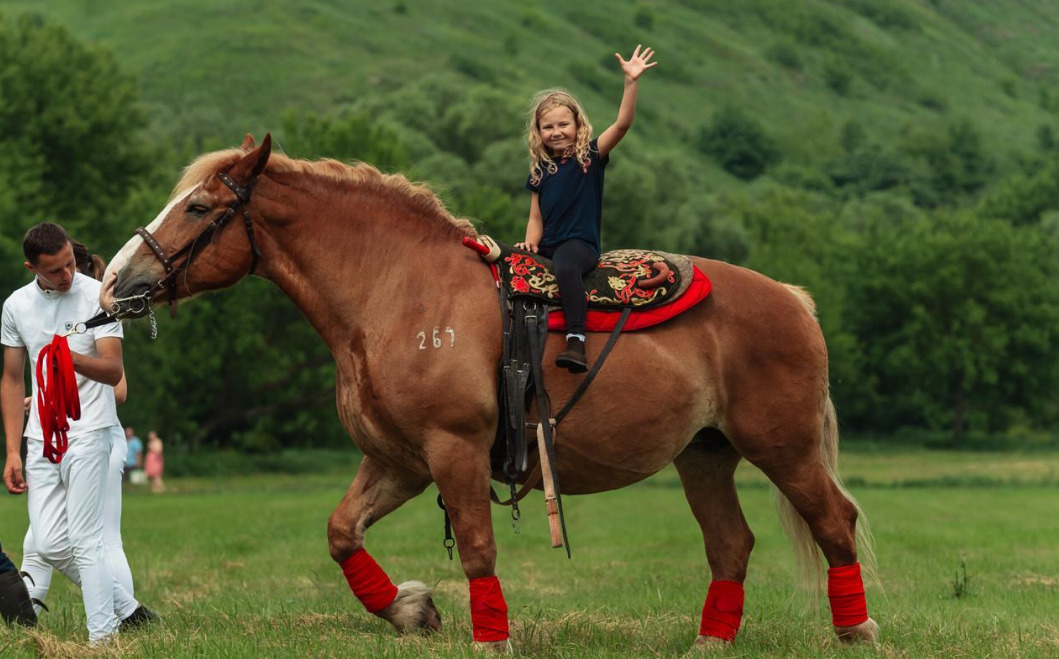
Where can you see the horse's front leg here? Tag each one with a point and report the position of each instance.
(376, 491)
(463, 478)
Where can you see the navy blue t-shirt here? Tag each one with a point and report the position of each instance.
(571, 200)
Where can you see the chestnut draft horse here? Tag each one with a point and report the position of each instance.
(741, 375)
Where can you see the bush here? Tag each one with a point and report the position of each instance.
(786, 55)
(738, 143)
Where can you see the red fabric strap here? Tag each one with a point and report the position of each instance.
(368, 581)
(488, 610)
(723, 611)
(57, 397)
(845, 590)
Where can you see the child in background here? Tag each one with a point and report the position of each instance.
(154, 464)
(566, 182)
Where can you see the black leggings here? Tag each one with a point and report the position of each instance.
(572, 260)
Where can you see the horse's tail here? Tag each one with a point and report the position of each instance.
(805, 547)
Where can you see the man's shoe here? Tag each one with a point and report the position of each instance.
(15, 604)
(138, 618)
(573, 358)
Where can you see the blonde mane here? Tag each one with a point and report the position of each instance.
(418, 196)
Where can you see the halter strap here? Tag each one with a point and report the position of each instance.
(192, 247)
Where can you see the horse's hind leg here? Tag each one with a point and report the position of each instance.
(375, 492)
(706, 469)
(800, 457)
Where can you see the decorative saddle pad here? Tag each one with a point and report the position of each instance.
(657, 285)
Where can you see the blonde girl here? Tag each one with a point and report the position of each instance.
(566, 186)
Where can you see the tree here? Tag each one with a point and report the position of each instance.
(69, 148)
(959, 316)
(738, 143)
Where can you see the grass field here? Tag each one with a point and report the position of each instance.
(239, 568)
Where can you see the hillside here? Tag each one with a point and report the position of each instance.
(803, 69)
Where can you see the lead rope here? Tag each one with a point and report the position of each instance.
(57, 398)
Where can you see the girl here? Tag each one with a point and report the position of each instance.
(566, 182)
(154, 464)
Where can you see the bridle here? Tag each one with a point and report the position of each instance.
(196, 244)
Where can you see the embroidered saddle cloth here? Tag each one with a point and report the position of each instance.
(664, 283)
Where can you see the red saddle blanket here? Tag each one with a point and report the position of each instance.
(657, 285)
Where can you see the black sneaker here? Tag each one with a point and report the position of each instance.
(573, 358)
(15, 604)
(138, 618)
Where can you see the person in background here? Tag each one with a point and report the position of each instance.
(154, 464)
(134, 459)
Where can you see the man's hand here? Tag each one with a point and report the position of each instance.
(528, 246)
(13, 479)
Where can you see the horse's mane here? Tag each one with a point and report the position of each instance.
(418, 195)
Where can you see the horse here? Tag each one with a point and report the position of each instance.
(742, 375)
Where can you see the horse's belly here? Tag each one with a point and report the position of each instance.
(640, 413)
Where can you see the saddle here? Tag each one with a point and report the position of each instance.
(655, 285)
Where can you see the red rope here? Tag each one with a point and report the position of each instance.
(57, 397)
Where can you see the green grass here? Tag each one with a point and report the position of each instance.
(239, 568)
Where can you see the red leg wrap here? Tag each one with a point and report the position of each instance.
(845, 590)
(723, 611)
(369, 583)
(488, 610)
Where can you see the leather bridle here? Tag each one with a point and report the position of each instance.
(196, 244)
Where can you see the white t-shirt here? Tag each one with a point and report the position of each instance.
(31, 319)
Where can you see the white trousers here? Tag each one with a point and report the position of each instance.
(66, 516)
(39, 571)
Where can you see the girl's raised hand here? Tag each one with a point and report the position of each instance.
(638, 63)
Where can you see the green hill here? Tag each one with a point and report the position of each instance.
(803, 69)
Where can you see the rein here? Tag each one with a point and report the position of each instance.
(191, 248)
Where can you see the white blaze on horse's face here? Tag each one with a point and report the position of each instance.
(124, 256)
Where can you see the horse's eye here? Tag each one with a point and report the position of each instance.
(196, 209)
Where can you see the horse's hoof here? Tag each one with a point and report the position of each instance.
(709, 643)
(413, 608)
(865, 632)
(497, 647)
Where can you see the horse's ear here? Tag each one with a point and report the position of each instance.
(264, 151)
(254, 162)
(248, 142)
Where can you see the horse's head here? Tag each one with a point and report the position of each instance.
(187, 249)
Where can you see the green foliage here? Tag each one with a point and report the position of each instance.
(950, 343)
(644, 17)
(70, 150)
(738, 143)
(352, 136)
(785, 53)
(1024, 199)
